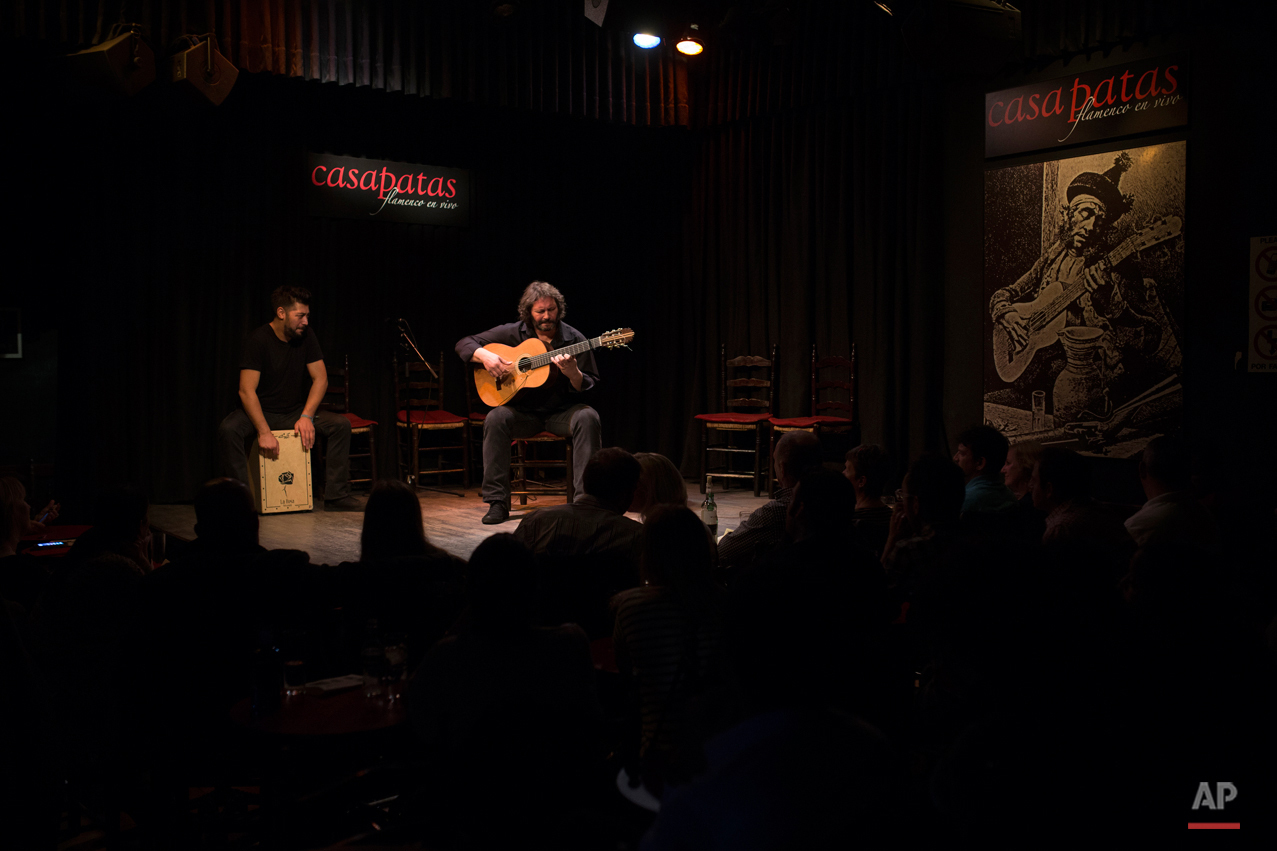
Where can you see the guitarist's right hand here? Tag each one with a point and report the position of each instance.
(497, 366)
(1015, 328)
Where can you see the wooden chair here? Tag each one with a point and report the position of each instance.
(337, 400)
(419, 412)
(524, 454)
(833, 401)
(746, 402)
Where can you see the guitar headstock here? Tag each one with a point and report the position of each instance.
(617, 337)
(1158, 229)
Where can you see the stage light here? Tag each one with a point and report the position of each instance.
(202, 70)
(690, 44)
(646, 40)
(123, 63)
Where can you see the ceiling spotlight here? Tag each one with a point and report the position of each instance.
(690, 44)
(646, 40)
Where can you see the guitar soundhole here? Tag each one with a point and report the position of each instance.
(523, 365)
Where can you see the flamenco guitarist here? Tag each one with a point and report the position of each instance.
(1137, 339)
(555, 406)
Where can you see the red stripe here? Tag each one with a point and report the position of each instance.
(1214, 825)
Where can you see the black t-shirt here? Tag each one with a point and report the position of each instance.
(285, 383)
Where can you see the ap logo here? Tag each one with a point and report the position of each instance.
(1224, 792)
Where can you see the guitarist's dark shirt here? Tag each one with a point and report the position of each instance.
(553, 395)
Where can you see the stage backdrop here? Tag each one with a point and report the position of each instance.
(1084, 280)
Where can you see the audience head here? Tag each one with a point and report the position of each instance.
(823, 500)
(796, 453)
(611, 477)
(982, 450)
(660, 483)
(224, 515)
(678, 553)
(867, 469)
(14, 511)
(501, 582)
(392, 523)
(1059, 477)
(1018, 469)
(120, 516)
(934, 489)
(1165, 466)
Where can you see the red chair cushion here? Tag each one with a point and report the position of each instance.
(357, 421)
(479, 415)
(807, 422)
(430, 417)
(733, 418)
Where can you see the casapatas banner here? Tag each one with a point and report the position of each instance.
(1107, 103)
(356, 188)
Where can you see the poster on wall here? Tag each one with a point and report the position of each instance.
(1084, 280)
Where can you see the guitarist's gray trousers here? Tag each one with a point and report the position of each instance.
(580, 424)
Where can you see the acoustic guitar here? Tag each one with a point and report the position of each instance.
(532, 364)
(1044, 316)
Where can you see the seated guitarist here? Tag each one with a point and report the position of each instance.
(1111, 300)
(554, 406)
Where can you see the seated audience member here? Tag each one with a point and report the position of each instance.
(32, 523)
(667, 636)
(22, 577)
(203, 615)
(502, 702)
(1172, 513)
(796, 453)
(588, 549)
(867, 468)
(120, 526)
(660, 484)
(81, 630)
(925, 523)
(1061, 487)
(410, 586)
(1018, 469)
(982, 451)
(796, 772)
(595, 523)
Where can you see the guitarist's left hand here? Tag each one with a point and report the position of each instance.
(567, 365)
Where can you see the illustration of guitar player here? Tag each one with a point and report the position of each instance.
(1080, 281)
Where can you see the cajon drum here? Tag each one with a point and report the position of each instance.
(281, 484)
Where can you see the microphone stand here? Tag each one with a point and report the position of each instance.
(405, 339)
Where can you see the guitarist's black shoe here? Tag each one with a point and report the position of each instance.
(498, 512)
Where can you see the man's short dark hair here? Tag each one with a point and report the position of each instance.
(286, 296)
(988, 443)
(872, 462)
(939, 486)
(1066, 472)
(827, 499)
(611, 477)
(797, 452)
(536, 291)
(225, 515)
(1165, 460)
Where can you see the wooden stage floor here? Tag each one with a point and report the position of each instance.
(452, 523)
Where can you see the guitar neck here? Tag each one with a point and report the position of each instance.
(1042, 317)
(538, 361)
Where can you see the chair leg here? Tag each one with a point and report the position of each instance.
(567, 467)
(704, 455)
(758, 456)
(416, 457)
(372, 460)
(465, 456)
